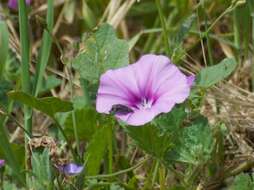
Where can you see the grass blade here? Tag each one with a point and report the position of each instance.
(163, 23)
(25, 78)
(4, 38)
(45, 48)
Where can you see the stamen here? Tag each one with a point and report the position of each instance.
(145, 104)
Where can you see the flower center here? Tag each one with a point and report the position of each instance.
(145, 104)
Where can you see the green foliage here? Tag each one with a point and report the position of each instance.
(48, 105)
(10, 186)
(88, 15)
(41, 169)
(50, 83)
(103, 51)
(150, 139)
(17, 149)
(86, 123)
(187, 147)
(157, 138)
(4, 46)
(5, 86)
(45, 48)
(214, 74)
(8, 152)
(195, 144)
(242, 182)
(177, 188)
(177, 38)
(96, 150)
(171, 122)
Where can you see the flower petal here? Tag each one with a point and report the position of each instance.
(191, 80)
(71, 169)
(147, 70)
(138, 117)
(172, 86)
(117, 87)
(142, 116)
(149, 87)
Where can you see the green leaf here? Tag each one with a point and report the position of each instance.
(214, 74)
(149, 139)
(195, 144)
(50, 83)
(170, 122)
(183, 30)
(142, 8)
(48, 105)
(242, 182)
(17, 149)
(177, 39)
(96, 150)
(86, 125)
(5, 86)
(103, 51)
(8, 152)
(7, 185)
(4, 45)
(41, 169)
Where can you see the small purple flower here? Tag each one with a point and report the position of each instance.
(13, 4)
(139, 92)
(2, 163)
(71, 169)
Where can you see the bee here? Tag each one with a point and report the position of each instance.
(120, 109)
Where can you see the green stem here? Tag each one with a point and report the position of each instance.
(252, 67)
(67, 140)
(74, 121)
(251, 9)
(148, 181)
(242, 167)
(18, 124)
(25, 77)
(229, 9)
(110, 150)
(76, 132)
(208, 42)
(162, 178)
(150, 38)
(119, 172)
(155, 172)
(163, 23)
(236, 29)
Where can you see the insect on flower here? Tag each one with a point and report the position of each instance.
(120, 109)
(13, 4)
(139, 92)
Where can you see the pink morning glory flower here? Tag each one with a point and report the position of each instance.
(71, 169)
(136, 94)
(13, 4)
(2, 163)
